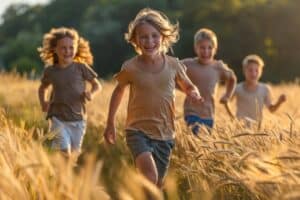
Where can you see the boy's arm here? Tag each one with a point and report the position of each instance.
(42, 97)
(96, 86)
(186, 86)
(110, 132)
(230, 86)
(280, 100)
(228, 109)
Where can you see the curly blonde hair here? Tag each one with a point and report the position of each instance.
(159, 21)
(47, 54)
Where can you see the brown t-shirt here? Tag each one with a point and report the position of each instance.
(151, 99)
(206, 79)
(250, 104)
(67, 102)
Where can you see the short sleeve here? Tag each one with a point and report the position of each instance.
(88, 73)
(46, 80)
(268, 96)
(225, 72)
(123, 76)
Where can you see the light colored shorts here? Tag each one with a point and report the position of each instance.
(68, 134)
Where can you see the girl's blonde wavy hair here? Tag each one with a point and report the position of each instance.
(47, 54)
(159, 21)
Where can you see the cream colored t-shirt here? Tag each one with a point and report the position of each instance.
(151, 99)
(250, 104)
(206, 78)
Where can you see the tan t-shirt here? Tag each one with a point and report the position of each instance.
(206, 78)
(250, 104)
(151, 99)
(67, 102)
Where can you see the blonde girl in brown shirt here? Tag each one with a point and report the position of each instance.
(151, 76)
(67, 58)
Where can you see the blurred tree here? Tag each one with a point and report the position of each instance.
(265, 27)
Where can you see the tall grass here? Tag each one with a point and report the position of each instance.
(233, 162)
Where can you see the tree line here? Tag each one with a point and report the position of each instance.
(266, 27)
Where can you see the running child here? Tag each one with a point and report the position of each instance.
(252, 95)
(151, 77)
(206, 72)
(67, 57)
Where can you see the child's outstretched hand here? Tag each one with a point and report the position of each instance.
(195, 95)
(282, 98)
(110, 134)
(224, 99)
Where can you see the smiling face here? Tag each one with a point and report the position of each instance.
(205, 51)
(65, 50)
(252, 72)
(148, 39)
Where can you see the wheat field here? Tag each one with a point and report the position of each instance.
(233, 162)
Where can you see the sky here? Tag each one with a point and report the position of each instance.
(5, 3)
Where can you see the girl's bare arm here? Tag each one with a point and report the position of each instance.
(96, 86)
(42, 97)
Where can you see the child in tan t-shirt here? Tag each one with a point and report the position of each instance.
(206, 72)
(67, 57)
(251, 95)
(151, 77)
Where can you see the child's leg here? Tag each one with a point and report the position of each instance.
(192, 122)
(61, 140)
(152, 157)
(146, 164)
(195, 122)
(77, 132)
(139, 145)
(162, 153)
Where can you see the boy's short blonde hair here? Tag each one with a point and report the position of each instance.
(206, 34)
(253, 58)
(158, 20)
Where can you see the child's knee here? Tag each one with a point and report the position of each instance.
(152, 176)
(150, 172)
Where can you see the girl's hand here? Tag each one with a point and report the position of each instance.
(110, 134)
(45, 106)
(282, 98)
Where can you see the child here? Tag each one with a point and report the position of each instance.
(67, 58)
(205, 72)
(151, 76)
(251, 95)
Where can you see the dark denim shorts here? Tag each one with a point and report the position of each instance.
(194, 122)
(138, 142)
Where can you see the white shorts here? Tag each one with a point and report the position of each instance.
(68, 135)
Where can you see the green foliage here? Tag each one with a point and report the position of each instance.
(265, 27)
